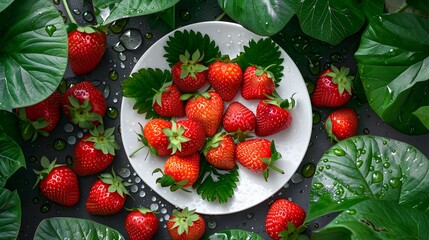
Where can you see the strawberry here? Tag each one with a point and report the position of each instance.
(220, 151)
(273, 116)
(239, 119)
(185, 137)
(167, 102)
(257, 82)
(58, 183)
(225, 78)
(207, 109)
(330, 86)
(341, 124)
(141, 223)
(186, 225)
(107, 195)
(258, 155)
(84, 105)
(95, 151)
(86, 47)
(155, 138)
(40, 118)
(284, 220)
(179, 172)
(189, 74)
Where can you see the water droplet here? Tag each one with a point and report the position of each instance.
(386, 165)
(35, 200)
(124, 172)
(359, 163)
(336, 57)
(69, 160)
(134, 188)
(122, 56)
(154, 207)
(131, 39)
(250, 215)
(148, 35)
(325, 160)
(118, 47)
(366, 131)
(118, 25)
(340, 191)
(185, 15)
(316, 225)
(45, 208)
(113, 75)
(351, 211)
(50, 29)
(314, 67)
(308, 170)
(296, 178)
(377, 177)
(71, 140)
(211, 224)
(32, 159)
(395, 182)
(391, 52)
(339, 152)
(163, 210)
(112, 112)
(87, 16)
(328, 166)
(142, 193)
(106, 91)
(76, 11)
(59, 144)
(57, 2)
(318, 185)
(320, 168)
(316, 117)
(68, 127)
(137, 180)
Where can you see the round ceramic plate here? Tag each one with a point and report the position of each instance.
(251, 189)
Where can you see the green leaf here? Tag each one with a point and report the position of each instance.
(373, 219)
(330, 20)
(32, 62)
(190, 41)
(11, 158)
(422, 113)
(372, 8)
(265, 18)
(108, 11)
(4, 4)
(231, 234)
(10, 123)
(74, 228)
(393, 63)
(422, 5)
(369, 167)
(168, 16)
(214, 184)
(10, 214)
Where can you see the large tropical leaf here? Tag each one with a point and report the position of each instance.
(4, 4)
(33, 52)
(10, 214)
(11, 157)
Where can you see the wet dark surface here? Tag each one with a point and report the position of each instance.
(311, 57)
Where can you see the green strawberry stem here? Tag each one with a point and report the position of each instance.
(103, 140)
(66, 7)
(190, 65)
(341, 78)
(47, 168)
(275, 156)
(116, 183)
(175, 137)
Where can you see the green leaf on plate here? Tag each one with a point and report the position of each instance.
(4, 4)
(11, 157)
(422, 5)
(33, 52)
(182, 41)
(330, 20)
(214, 184)
(374, 219)
(393, 63)
(10, 214)
(74, 228)
(230, 234)
(264, 52)
(369, 167)
(108, 11)
(422, 113)
(264, 18)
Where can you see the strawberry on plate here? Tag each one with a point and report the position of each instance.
(189, 74)
(257, 82)
(155, 138)
(186, 225)
(95, 151)
(185, 137)
(84, 105)
(225, 77)
(258, 155)
(239, 119)
(58, 183)
(167, 102)
(341, 124)
(141, 223)
(333, 88)
(284, 220)
(219, 151)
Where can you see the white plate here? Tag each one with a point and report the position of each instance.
(252, 188)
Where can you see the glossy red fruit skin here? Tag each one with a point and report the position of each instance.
(195, 232)
(238, 117)
(345, 123)
(250, 152)
(188, 84)
(102, 202)
(48, 109)
(326, 93)
(153, 132)
(171, 105)
(85, 50)
(271, 119)
(141, 226)
(222, 156)
(256, 87)
(225, 78)
(88, 160)
(197, 135)
(280, 212)
(61, 186)
(183, 168)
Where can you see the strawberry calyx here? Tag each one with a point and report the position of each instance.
(142, 210)
(103, 139)
(190, 64)
(141, 138)
(329, 131)
(341, 78)
(270, 161)
(116, 183)
(183, 220)
(47, 168)
(213, 142)
(261, 70)
(82, 115)
(276, 100)
(30, 130)
(195, 95)
(175, 137)
(293, 233)
(157, 98)
(86, 29)
(167, 180)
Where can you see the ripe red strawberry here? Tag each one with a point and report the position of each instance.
(239, 119)
(207, 109)
(220, 151)
(189, 74)
(84, 105)
(341, 124)
(186, 225)
(86, 47)
(141, 223)
(257, 83)
(155, 138)
(58, 183)
(107, 195)
(95, 151)
(225, 78)
(40, 118)
(167, 102)
(333, 88)
(286, 218)
(185, 137)
(179, 172)
(258, 155)
(273, 116)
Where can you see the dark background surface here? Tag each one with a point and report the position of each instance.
(311, 57)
